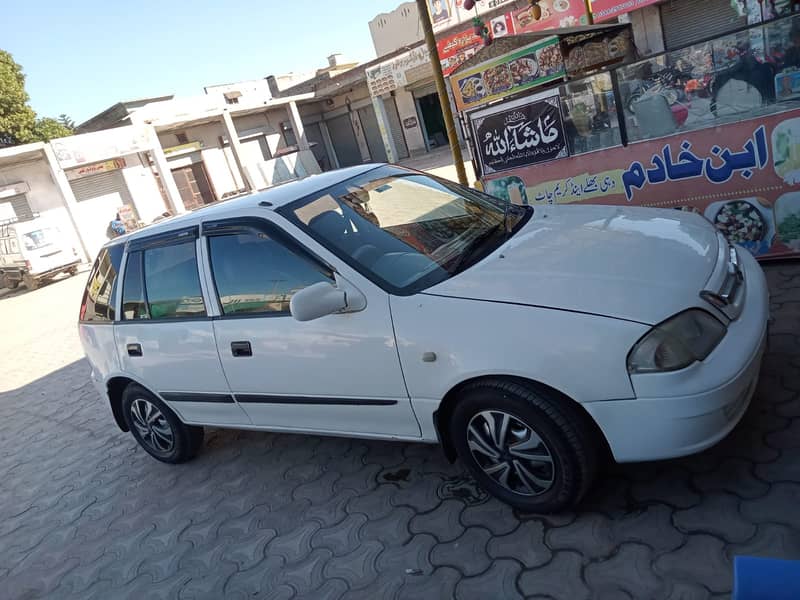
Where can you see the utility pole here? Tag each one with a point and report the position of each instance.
(438, 77)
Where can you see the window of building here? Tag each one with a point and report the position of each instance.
(99, 295)
(172, 282)
(134, 303)
(232, 97)
(254, 273)
(182, 138)
(288, 133)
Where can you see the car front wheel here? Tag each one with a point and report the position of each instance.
(157, 429)
(526, 446)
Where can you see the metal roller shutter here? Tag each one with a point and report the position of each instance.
(344, 141)
(396, 127)
(101, 184)
(687, 21)
(19, 204)
(369, 123)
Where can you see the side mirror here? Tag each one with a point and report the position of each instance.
(316, 301)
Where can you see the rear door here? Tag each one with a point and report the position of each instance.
(165, 337)
(335, 374)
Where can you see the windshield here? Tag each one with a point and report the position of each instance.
(39, 238)
(404, 231)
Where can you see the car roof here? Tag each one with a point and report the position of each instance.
(276, 196)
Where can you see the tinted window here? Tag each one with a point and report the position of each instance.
(256, 274)
(134, 303)
(98, 297)
(172, 282)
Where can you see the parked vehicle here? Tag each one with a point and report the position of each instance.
(379, 302)
(32, 252)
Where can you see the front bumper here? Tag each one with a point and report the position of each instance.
(684, 412)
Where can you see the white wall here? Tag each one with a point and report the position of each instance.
(393, 30)
(407, 108)
(143, 188)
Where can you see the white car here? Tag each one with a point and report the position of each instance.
(379, 302)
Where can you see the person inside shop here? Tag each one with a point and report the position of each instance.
(791, 59)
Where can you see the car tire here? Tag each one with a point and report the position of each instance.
(157, 428)
(527, 446)
(30, 281)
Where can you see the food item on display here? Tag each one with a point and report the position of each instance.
(524, 69)
(550, 60)
(594, 53)
(618, 46)
(561, 5)
(789, 230)
(472, 87)
(740, 222)
(498, 79)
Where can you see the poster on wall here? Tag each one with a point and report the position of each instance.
(455, 49)
(525, 68)
(519, 134)
(743, 177)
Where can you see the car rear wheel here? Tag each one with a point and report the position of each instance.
(30, 281)
(157, 429)
(526, 446)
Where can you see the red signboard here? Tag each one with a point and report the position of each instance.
(455, 49)
(605, 10)
(744, 177)
(555, 14)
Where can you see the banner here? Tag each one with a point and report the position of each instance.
(743, 177)
(525, 68)
(605, 10)
(519, 135)
(555, 14)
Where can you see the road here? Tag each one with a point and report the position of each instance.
(85, 513)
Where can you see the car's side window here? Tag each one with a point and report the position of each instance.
(134, 303)
(172, 282)
(255, 273)
(98, 297)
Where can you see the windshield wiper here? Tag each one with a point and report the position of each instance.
(472, 246)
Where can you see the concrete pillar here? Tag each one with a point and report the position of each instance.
(70, 203)
(304, 149)
(326, 138)
(361, 139)
(385, 129)
(164, 173)
(236, 148)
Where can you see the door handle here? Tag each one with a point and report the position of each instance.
(241, 349)
(134, 349)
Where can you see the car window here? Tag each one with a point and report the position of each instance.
(134, 303)
(172, 282)
(405, 231)
(98, 297)
(254, 273)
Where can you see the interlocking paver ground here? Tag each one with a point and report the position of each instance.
(85, 513)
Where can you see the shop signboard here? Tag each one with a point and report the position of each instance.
(522, 69)
(455, 49)
(102, 167)
(392, 74)
(745, 179)
(100, 145)
(519, 134)
(555, 14)
(605, 10)
(447, 13)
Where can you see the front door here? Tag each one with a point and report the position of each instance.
(335, 374)
(165, 338)
(193, 186)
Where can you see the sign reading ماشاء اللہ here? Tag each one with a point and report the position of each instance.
(520, 136)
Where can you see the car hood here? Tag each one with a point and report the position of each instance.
(638, 264)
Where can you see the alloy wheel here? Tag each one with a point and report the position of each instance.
(510, 452)
(152, 426)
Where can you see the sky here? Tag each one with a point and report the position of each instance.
(80, 58)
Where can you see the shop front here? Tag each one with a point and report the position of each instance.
(712, 128)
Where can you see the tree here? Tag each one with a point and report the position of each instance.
(17, 119)
(47, 129)
(66, 122)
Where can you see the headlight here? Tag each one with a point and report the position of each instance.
(676, 343)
